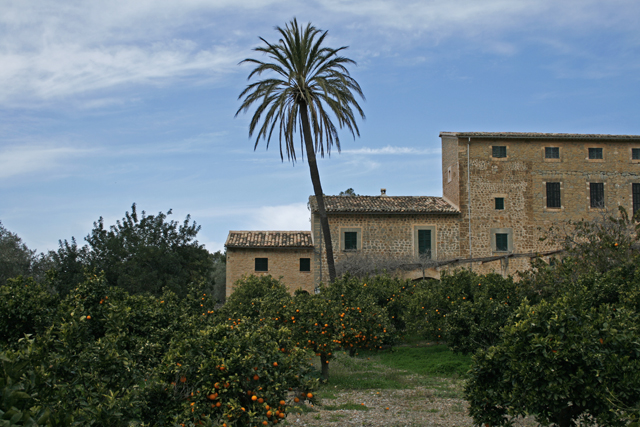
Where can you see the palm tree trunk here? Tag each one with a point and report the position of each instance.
(317, 189)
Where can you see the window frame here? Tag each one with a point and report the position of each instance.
(307, 261)
(596, 191)
(549, 190)
(509, 236)
(635, 197)
(256, 264)
(547, 151)
(416, 237)
(597, 159)
(358, 232)
(495, 203)
(499, 151)
(635, 150)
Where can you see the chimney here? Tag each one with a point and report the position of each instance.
(383, 192)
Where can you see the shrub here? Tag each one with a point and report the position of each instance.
(213, 373)
(560, 361)
(464, 309)
(26, 307)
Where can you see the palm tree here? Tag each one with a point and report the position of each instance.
(311, 81)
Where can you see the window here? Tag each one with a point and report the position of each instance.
(636, 198)
(262, 264)
(499, 203)
(635, 154)
(501, 239)
(551, 152)
(350, 241)
(502, 242)
(499, 151)
(595, 153)
(305, 264)
(424, 243)
(553, 195)
(596, 194)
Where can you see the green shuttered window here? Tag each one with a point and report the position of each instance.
(424, 243)
(350, 240)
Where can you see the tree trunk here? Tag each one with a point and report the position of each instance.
(324, 361)
(317, 189)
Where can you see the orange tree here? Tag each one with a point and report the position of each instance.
(464, 309)
(340, 316)
(231, 374)
(560, 361)
(26, 307)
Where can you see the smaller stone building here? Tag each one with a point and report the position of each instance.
(282, 254)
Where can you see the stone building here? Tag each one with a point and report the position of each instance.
(501, 191)
(285, 254)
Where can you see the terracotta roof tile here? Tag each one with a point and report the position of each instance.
(269, 239)
(538, 135)
(385, 204)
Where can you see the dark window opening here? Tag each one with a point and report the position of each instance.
(350, 240)
(500, 203)
(262, 264)
(424, 243)
(595, 153)
(596, 194)
(551, 152)
(636, 198)
(499, 151)
(305, 264)
(553, 195)
(635, 153)
(502, 242)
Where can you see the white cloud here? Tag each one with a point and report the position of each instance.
(55, 49)
(31, 159)
(392, 150)
(286, 217)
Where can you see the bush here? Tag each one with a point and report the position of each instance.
(560, 362)
(464, 309)
(26, 307)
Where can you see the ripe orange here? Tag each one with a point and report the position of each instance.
(296, 400)
(88, 317)
(261, 400)
(283, 403)
(256, 377)
(254, 397)
(183, 379)
(275, 364)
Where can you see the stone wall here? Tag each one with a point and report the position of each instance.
(521, 179)
(385, 234)
(283, 264)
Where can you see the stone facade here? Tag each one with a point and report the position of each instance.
(520, 179)
(501, 191)
(283, 252)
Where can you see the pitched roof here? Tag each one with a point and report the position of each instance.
(385, 204)
(269, 239)
(538, 135)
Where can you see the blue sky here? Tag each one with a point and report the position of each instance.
(108, 103)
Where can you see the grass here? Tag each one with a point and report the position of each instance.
(430, 366)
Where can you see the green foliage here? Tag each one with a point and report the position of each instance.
(340, 316)
(255, 297)
(464, 309)
(560, 361)
(15, 256)
(427, 360)
(19, 390)
(147, 253)
(26, 307)
(229, 364)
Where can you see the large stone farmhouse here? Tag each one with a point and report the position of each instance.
(501, 191)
